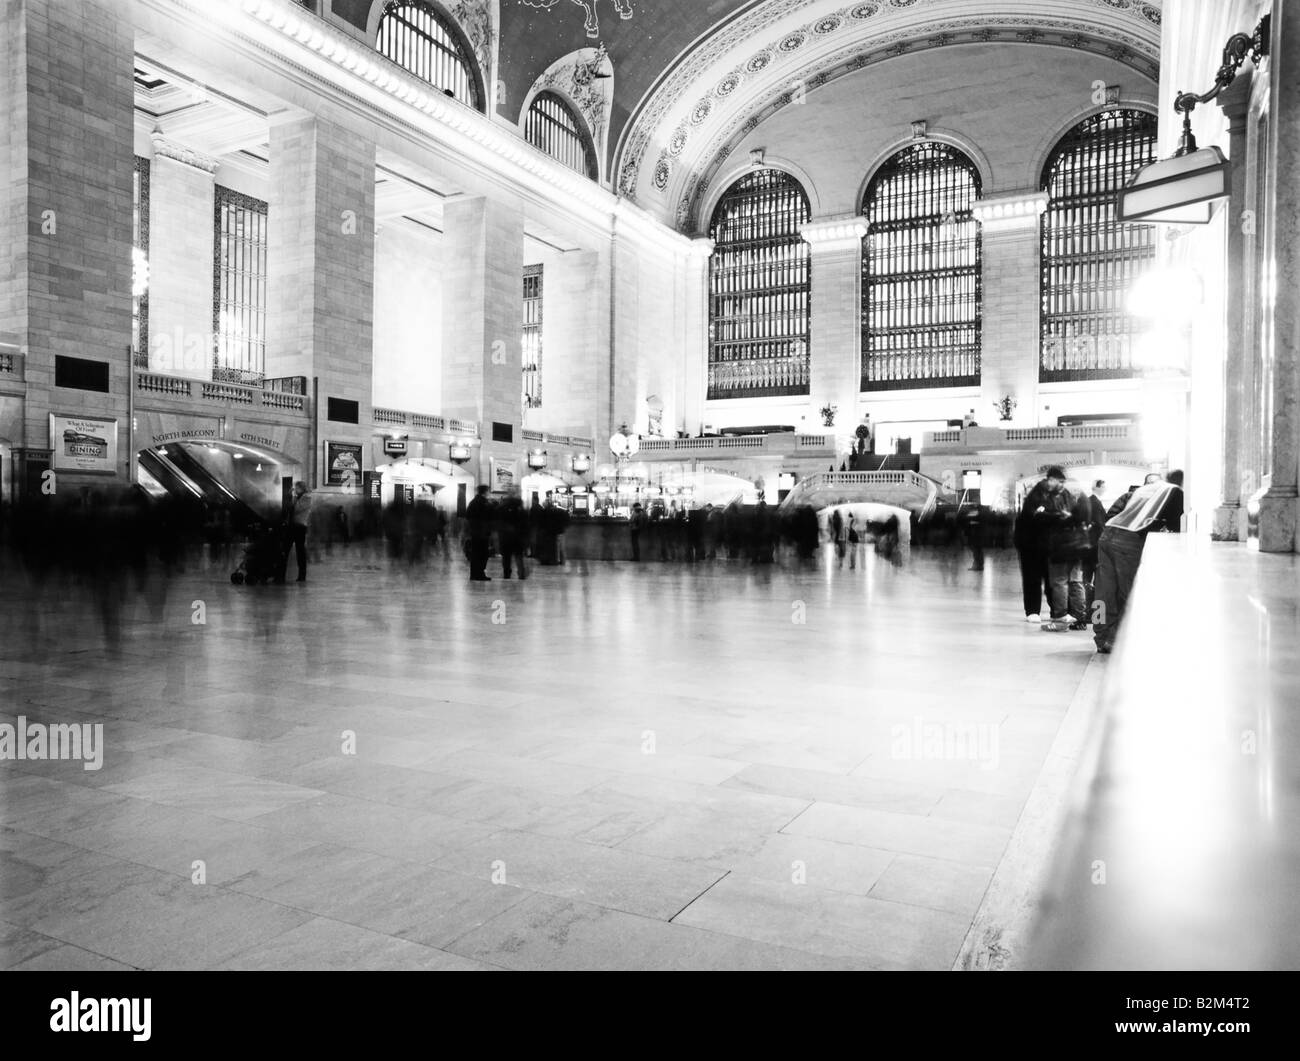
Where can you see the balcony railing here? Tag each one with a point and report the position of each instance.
(1027, 437)
(784, 444)
(447, 425)
(185, 389)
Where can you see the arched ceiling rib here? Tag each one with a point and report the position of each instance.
(771, 55)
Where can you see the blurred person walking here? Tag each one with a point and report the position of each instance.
(479, 513)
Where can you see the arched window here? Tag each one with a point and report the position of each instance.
(921, 287)
(759, 289)
(415, 35)
(1090, 260)
(551, 126)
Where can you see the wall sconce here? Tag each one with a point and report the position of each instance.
(537, 459)
(581, 463)
(1183, 190)
(459, 453)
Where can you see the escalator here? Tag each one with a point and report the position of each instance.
(183, 476)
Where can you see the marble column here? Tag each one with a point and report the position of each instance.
(482, 317)
(836, 365)
(66, 136)
(1238, 365)
(694, 378)
(1278, 507)
(1010, 342)
(321, 273)
(181, 192)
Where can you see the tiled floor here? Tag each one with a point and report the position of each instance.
(607, 766)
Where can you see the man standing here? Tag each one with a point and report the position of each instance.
(298, 519)
(1030, 540)
(637, 525)
(479, 515)
(1065, 517)
(1155, 506)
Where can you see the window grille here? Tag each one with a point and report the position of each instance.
(1089, 259)
(239, 289)
(419, 38)
(922, 297)
(552, 126)
(759, 289)
(532, 337)
(140, 242)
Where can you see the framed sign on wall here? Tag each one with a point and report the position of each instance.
(503, 476)
(343, 465)
(83, 444)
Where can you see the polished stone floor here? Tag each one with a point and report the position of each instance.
(607, 766)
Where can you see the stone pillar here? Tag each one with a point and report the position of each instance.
(321, 262)
(66, 139)
(693, 387)
(1010, 341)
(574, 337)
(836, 367)
(482, 317)
(1278, 507)
(1238, 366)
(180, 260)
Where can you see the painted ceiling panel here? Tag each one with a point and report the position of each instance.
(534, 33)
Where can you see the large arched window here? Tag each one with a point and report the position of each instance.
(415, 35)
(759, 289)
(1090, 260)
(551, 126)
(921, 284)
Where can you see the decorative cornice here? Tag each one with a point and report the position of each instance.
(164, 148)
(1017, 211)
(841, 233)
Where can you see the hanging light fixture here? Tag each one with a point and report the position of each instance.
(1186, 189)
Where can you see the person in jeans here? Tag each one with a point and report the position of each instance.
(1156, 506)
(1064, 518)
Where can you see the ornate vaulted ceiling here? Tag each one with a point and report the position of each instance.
(693, 77)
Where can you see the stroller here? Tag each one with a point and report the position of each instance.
(263, 557)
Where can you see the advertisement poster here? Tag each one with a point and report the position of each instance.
(83, 444)
(342, 465)
(503, 476)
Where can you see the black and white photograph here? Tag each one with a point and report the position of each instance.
(735, 487)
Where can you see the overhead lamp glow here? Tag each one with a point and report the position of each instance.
(1185, 190)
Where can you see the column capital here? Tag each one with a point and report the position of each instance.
(701, 248)
(841, 233)
(164, 148)
(1011, 211)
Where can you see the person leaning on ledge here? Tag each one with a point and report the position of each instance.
(1155, 506)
